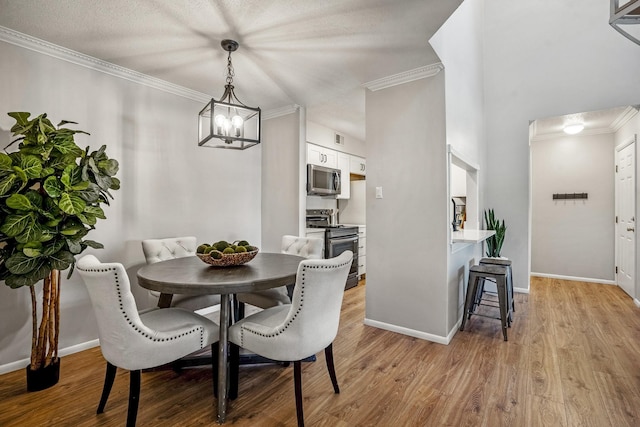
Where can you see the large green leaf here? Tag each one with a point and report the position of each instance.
(87, 218)
(20, 173)
(53, 247)
(16, 223)
(53, 186)
(19, 202)
(47, 171)
(103, 181)
(93, 244)
(19, 263)
(71, 204)
(21, 118)
(6, 183)
(32, 166)
(80, 186)
(74, 246)
(35, 198)
(17, 281)
(71, 230)
(33, 233)
(109, 167)
(32, 252)
(95, 211)
(67, 146)
(91, 194)
(5, 162)
(61, 260)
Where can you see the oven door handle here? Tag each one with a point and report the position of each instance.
(343, 239)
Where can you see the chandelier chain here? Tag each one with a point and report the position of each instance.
(230, 72)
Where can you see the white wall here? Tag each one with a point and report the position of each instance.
(170, 186)
(280, 183)
(354, 209)
(407, 228)
(544, 58)
(459, 44)
(573, 238)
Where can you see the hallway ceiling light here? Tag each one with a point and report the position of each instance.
(629, 15)
(573, 129)
(228, 123)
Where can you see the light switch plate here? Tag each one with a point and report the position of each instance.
(378, 192)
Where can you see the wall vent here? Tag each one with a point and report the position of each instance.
(339, 139)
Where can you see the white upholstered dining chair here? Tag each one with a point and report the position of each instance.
(307, 247)
(136, 341)
(292, 332)
(156, 250)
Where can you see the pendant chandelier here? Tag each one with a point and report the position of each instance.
(228, 123)
(627, 15)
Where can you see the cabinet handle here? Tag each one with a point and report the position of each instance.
(631, 229)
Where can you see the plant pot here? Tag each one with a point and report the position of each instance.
(43, 378)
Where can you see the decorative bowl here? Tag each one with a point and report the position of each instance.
(229, 260)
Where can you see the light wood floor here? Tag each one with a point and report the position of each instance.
(572, 359)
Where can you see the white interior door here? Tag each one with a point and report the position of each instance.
(626, 216)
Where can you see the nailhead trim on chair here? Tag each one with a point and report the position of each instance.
(279, 331)
(129, 321)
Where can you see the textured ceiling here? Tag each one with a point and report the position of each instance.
(306, 52)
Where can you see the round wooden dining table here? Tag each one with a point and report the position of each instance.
(191, 276)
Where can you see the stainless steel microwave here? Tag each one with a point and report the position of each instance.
(322, 181)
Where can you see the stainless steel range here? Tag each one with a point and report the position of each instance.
(337, 239)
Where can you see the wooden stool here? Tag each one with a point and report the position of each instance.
(498, 274)
(505, 263)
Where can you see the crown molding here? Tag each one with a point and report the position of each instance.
(282, 111)
(623, 118)
(41, 46)
(404, 77)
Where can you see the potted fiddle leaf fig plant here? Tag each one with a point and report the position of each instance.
(494, 243)
(51, 192)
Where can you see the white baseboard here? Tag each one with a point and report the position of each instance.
(521, 290)
(21, 364)
(410, 332)
(636, 302)
(575, 279)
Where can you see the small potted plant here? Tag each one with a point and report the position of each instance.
(50, 196)
(494, 243)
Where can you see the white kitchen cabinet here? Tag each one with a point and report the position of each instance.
(321, 156)
(344, 164)
(362, 250)
(358, 165)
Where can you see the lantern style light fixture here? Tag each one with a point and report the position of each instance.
(228, 123)
(626, 14)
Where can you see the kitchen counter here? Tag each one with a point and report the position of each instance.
(471, 236)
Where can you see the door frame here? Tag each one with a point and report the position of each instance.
(632, 141)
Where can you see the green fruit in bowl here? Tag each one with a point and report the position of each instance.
(208, 249)
(243, 243)
(250, 248)
(202, 248)
(240, 249)
(228, 250)
(221, 245)
(215, 254)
